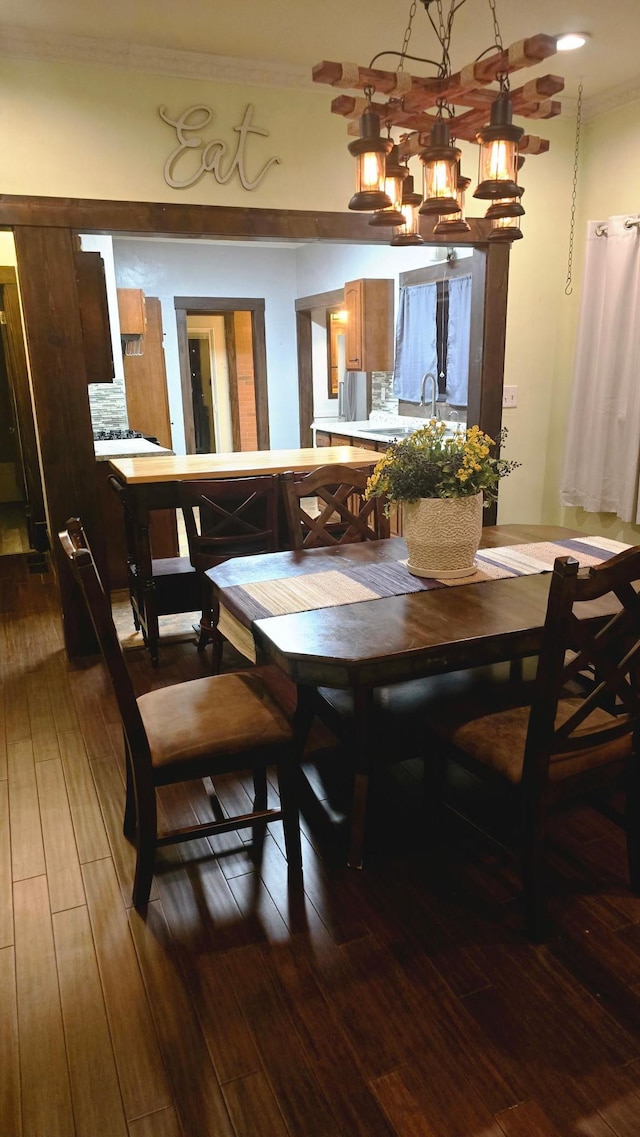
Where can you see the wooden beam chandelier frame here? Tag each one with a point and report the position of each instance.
(383, 183)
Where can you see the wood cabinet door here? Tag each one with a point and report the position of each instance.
(369, 304)
(353, 304)
(94, 317)
(145, 380)
(132, 311)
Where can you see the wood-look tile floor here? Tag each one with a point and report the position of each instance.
(402, 1000)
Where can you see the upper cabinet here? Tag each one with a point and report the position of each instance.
(94, 316)
(132, 311)
(369, 305)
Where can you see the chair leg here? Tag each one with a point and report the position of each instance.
(533, 869)
(287, 782)
(129, 825)
(260, 789)
(204, 631)
(217, 643)
(146, 848)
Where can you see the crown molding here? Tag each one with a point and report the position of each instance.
(50, 47)
(612, 100)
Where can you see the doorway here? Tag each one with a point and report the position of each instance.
(22, 511)
(221, 344)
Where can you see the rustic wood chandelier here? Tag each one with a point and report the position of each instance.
(462, 101)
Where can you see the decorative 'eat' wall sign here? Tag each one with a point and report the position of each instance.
(213, 156)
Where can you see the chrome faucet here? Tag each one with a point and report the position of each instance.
(434, 392)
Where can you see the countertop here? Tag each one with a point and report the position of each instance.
(377, 430)
(128, 448)
(240, 464)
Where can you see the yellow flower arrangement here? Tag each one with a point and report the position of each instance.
(432, 463)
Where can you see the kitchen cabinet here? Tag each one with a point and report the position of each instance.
(94, 316)
(132, 312)
(369, 305)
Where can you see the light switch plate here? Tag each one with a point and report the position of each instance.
(509, 396)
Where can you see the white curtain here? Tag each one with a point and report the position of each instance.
(602, 460)
(458, 340)
(416, 351)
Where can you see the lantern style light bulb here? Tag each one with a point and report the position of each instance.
(370, 151)
(498, 164)
(455, 222)
(408, 232)
(506, 227)
(395, 173)
(440, 161)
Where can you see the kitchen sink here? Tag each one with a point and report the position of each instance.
(387, 432)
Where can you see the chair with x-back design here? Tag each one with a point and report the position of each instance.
(572, 731)
(187, 731)
(339, 513)
(230, 517)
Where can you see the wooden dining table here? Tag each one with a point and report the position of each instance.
(376, 642)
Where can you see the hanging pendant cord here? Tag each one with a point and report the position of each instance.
(568, 288)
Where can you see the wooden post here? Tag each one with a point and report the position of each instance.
(48, 288)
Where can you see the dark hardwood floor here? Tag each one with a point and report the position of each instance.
(402, 1000)
(13, 528)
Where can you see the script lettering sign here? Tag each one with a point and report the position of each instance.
(213, 156)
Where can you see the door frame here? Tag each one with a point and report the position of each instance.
(18, 378)
(226, 306)
(45, 231)
(304, 307)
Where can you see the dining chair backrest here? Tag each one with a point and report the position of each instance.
(230, 517)
(587, 697)
(83, 566)
(328, 507)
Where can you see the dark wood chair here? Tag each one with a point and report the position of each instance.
(231, 517)
(328, 507)
(157, 586)
(203, 727)
(571, 731)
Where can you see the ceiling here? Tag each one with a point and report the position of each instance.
(298, 32)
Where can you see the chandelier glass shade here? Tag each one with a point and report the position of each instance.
(439, 172)
(455, 222)
(370, 152)
(498, 161)
(395, 173)
(408, 232)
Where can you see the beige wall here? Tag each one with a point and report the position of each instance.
(81, 130)
(95, 132)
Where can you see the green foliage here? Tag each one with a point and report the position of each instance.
(430, 463)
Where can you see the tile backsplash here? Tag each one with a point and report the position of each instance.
(382, 398)
(108, 406)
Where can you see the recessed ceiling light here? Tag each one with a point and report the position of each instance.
(571, 41)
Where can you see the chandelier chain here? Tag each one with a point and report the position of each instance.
(568, 288)
(407, 34)
(496, 26)
(444, 35)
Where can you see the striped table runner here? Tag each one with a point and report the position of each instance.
(328, 588)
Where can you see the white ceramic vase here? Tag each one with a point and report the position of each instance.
(442, 535)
